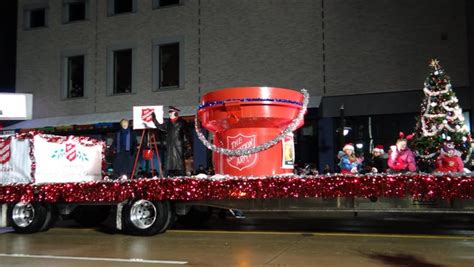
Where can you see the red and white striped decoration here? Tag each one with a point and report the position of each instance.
(71, 152)
(5, 150)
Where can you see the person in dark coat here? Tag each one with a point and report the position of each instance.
(378, 162)
(175, 129)
(125, 144)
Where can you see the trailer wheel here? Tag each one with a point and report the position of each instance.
(91, 216)
(145, 218)
(28, 218)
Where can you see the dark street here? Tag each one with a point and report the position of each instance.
(339, 240)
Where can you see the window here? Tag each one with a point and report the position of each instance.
(165, 3)
(75, 76)
(122, 72)
(121, 66)
(35, 17)
(168, 67)
(75, 10)
(121, 6)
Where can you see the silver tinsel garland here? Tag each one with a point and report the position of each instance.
(247, 151)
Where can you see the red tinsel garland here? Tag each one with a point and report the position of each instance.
(83, 140)
(420, 186)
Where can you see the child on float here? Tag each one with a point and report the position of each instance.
(449, 159)
(348, 162)
(377, 163)
(401, 159)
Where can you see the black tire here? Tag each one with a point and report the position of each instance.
(198, 216)
(91, 216)
(51, 217)
(28, 218)
(173, 217)
(146, 218)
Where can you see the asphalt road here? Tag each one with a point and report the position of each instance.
(285, 240)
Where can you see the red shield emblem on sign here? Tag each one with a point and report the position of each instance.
(71, 152)
(5, 151)
(146, 114)
(241, 141)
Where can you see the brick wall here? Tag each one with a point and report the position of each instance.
(369, 46)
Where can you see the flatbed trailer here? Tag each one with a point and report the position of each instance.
(151, 206)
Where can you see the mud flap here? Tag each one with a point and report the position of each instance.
(118, 215)
(3, 215)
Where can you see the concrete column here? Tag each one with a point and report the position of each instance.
(326, 131)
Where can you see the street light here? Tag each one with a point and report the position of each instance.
(346, 131)
(342, 127)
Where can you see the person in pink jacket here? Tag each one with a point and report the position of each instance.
(401, 158)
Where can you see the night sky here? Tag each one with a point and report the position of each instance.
(8, 17)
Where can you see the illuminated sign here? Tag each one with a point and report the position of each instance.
(16, 106)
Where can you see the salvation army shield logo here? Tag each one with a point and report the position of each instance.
(146, 114)
(5, 151)
(241, 141)
(71, 152)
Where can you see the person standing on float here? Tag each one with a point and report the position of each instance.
(348, 163)
(124, 145)
(401, 159)
(449, 159)
(175, 129)
(377, 163)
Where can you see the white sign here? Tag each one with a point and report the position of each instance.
(68, 161)
(288, 152)
(15, 161)
(16, 106)
(142, 118)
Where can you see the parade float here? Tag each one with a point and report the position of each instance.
(253, 154)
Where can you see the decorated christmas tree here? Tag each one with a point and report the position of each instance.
(441, 120)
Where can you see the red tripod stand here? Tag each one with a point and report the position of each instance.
(151, 140)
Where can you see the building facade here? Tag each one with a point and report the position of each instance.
(332, 48)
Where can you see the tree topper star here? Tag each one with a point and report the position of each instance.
(434, 63)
